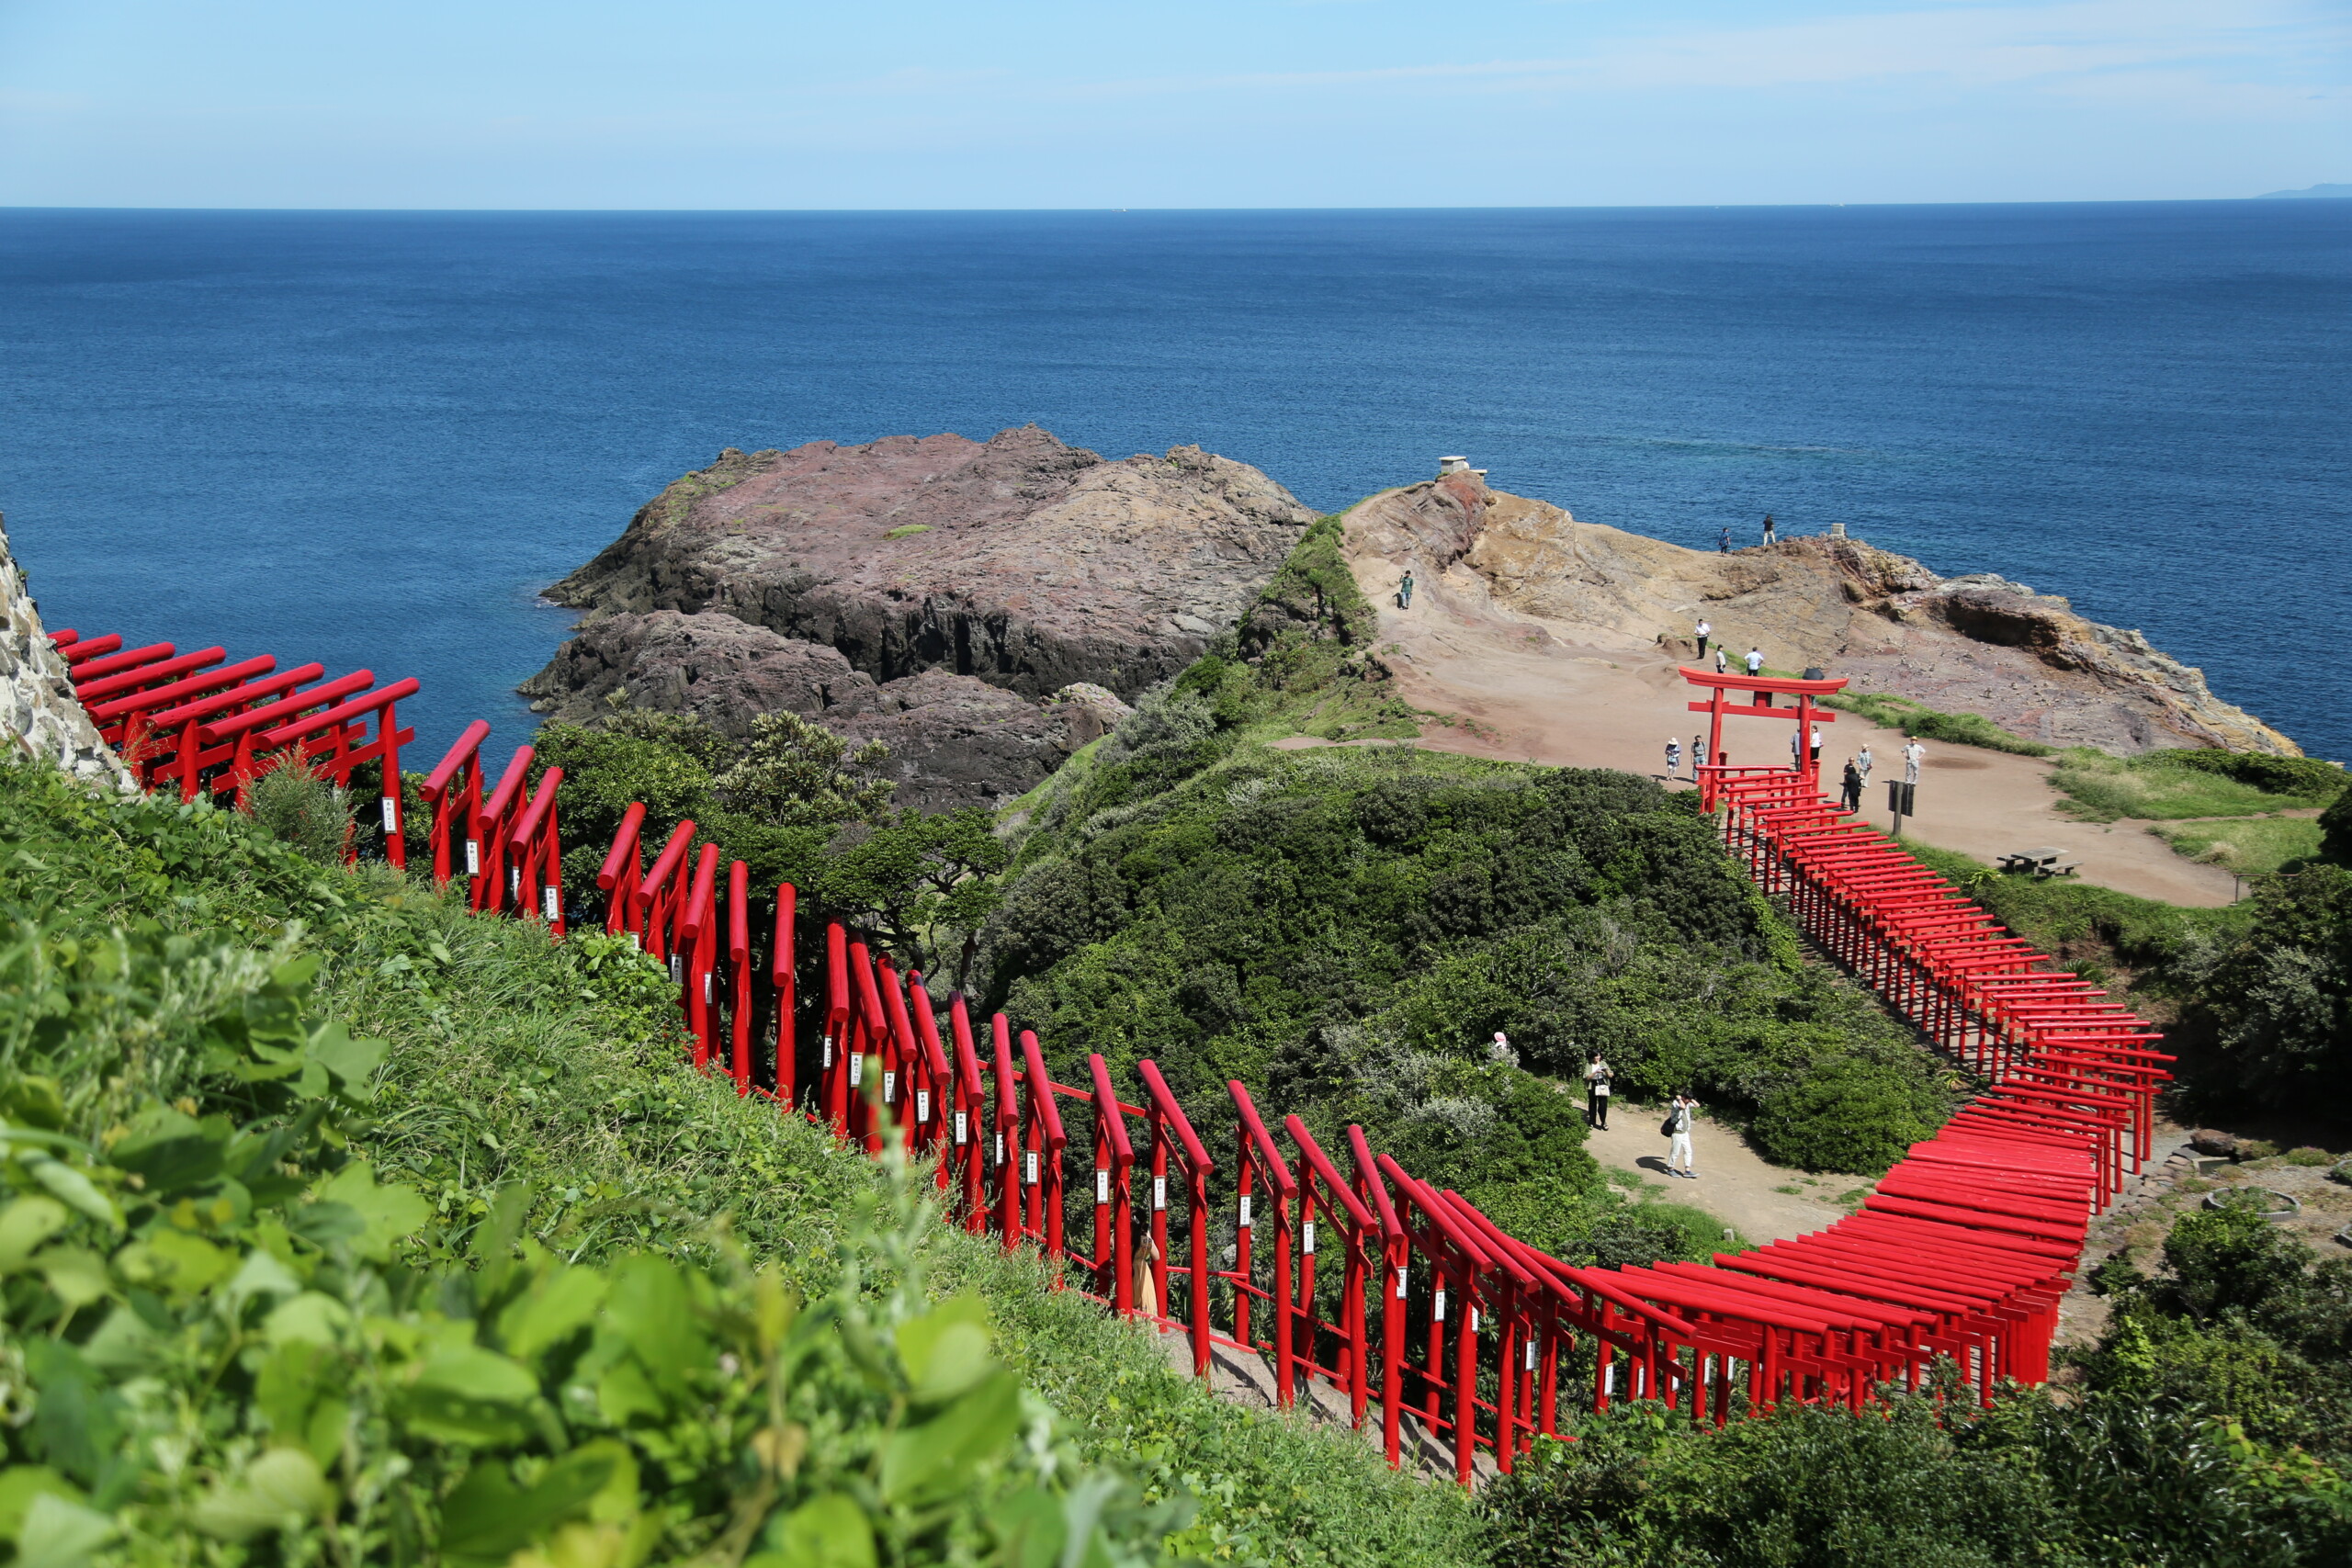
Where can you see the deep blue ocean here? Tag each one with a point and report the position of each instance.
(370, 438)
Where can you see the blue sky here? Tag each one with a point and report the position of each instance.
(1213, 103)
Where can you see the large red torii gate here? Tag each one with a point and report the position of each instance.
(1763, 692)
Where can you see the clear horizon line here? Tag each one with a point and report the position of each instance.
(1459, 206)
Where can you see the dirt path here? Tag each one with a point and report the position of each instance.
(1520, 691)
(1734, 1184)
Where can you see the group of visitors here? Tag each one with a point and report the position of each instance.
(1679, 1161)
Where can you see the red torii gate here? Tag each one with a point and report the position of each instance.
(1762, 693)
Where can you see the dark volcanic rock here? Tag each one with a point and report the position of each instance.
(958, 741)
(711, 665)
(980, 607)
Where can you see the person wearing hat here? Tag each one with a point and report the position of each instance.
(1673, 757)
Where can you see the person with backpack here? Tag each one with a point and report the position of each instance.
(1596, 1093)
(1678, 1158)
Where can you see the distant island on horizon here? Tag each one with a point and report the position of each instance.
(2324, 193)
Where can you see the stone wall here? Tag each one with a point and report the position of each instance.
(36, 704)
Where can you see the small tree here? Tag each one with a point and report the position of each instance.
(921, 881)
(793, 773)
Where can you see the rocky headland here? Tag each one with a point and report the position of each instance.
(986, 608)
(982, 607)
(1976, 644)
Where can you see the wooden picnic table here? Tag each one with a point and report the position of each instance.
(2042, 862)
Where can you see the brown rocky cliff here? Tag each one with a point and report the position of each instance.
(1020, 562)
(979, 605)
(1976, 644)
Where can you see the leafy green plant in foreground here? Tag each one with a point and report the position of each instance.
(222, 1327)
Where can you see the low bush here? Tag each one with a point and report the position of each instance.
(2176, 783)
(1916, 719)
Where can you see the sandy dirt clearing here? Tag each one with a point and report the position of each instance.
(1521, 693)
(1734, 1184)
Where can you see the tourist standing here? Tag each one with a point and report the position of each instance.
(1853, 786)
(1596, 1093)
(1912, 754)
(1862, 764)
(1678, 1158)
(1756, 661)
(1816, 748)
(1705, 631)
(1405, 590)
(1770, 537)
(1698, 754)
(1723, 544)
(1722, 661)
(1673, 758)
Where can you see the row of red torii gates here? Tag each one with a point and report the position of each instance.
(1358, 1285)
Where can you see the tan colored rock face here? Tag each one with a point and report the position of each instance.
(1968, 644)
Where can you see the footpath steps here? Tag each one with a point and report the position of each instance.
(1349, 1283)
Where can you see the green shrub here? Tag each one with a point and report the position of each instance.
(304, 810)
(2174, 783)
(1847, 1115)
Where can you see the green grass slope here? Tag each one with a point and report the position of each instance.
(150, 968)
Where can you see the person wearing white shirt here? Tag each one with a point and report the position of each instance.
(1756, 661)
(1596, 1093)
(1912, 752)
(1678, 1158)
(1705, 631)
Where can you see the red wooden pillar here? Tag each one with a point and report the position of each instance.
(785, 978)
(738, 964)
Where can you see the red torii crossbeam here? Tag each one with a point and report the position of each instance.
(1763, 694)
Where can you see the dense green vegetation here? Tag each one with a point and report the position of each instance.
(1343, 930)
(796, 804)
(336, 1214)
(2211, 1425)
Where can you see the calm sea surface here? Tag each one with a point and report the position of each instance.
(370, 438)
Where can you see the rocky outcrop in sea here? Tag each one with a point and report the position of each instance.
(983, 607)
